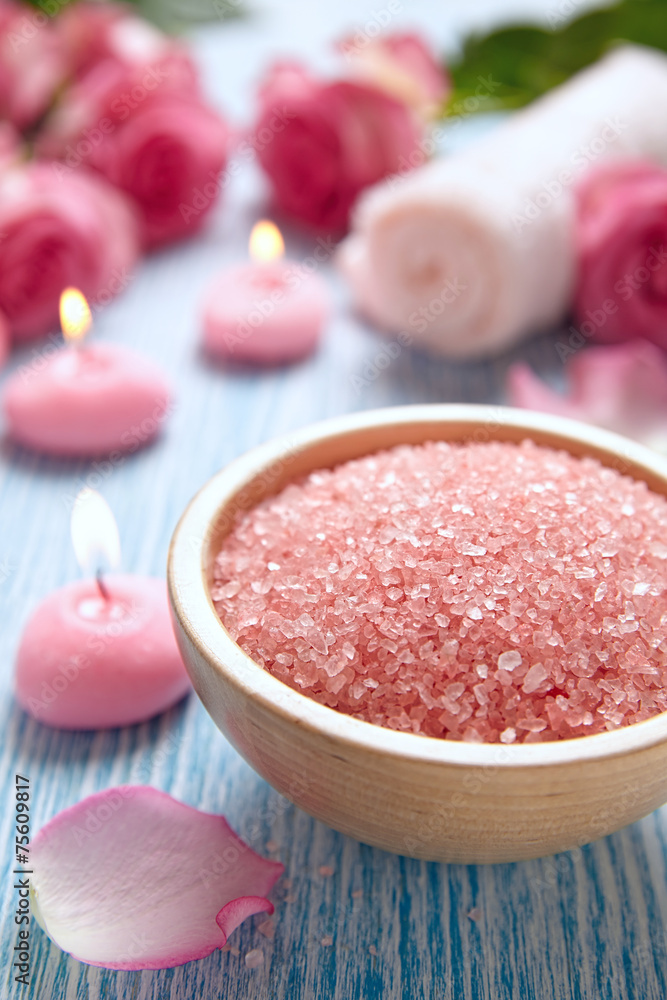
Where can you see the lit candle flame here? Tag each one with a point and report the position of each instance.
(94, 532)
(75, 315)
(266, 243)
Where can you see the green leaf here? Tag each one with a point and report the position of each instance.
(176, 15)
(511, 66)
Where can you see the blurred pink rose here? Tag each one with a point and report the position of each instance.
(11, 145)
(322, 143)
(54, 232)
(143, 125)
(92, 31)
(621, 239)
(32, 66)
(403, 65)
(5, 339)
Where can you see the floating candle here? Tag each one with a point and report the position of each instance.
(267, 312)
(482, 592)
(85, 401)
(99, 653)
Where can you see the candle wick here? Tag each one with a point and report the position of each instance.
(101, 586)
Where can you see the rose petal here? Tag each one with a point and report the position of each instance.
(529, 392)
(130, 878)
(622, 388)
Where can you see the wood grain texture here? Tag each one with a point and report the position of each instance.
(586, 925)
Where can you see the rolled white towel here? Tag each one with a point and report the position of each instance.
(474, 251)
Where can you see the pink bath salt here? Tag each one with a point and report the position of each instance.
(490, 592)
(254, 958)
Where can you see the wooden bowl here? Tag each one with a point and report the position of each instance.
(416, 795)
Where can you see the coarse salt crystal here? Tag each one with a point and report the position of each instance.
(508, 735)
(534, 678)
(509, 660)
(384, 588)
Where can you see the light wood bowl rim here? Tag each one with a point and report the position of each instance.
(196, 615)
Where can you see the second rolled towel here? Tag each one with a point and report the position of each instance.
(475, 251)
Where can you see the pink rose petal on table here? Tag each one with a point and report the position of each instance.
(622, 388)
(129, 878)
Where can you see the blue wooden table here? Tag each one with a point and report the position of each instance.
(588, 924)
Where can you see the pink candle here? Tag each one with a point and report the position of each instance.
(99, 653)
(86, 401)
(267, 312)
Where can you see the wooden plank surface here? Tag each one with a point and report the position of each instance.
(588, 924)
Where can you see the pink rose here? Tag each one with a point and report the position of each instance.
(75, 230)
(5, 339)
(404, 66)
(92, 31)
(31, 63)
(144, 126)
(621, 236)
(11, 146)
(322, 143)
